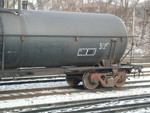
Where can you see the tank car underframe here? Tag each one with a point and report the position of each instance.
(92, 77)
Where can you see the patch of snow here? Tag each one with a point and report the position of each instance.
(72, 97)
(31, 86)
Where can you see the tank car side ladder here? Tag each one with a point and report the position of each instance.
(110, 59)
(112, 50)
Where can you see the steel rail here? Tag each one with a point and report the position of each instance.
(71, 104)
(114, 108)
(128, 107)
(29, 95)
(49, 76)
(57, 80)
(33, 90)
(61, 78)
(52, 88)
(133, 82)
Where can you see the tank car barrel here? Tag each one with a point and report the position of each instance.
(64, 39)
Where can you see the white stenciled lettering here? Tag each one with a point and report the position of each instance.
(103, 45)
(86, 52)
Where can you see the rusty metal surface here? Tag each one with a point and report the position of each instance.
(88, 82)
(54, 39)
(117, 79)
(100, 77)
(120, 79)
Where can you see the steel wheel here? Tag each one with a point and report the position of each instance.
(87, 83)
(72, 81)
(120, 79)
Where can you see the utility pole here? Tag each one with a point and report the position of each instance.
(133, 21)
(1, 3)
(148, 14)
(88, 5)
(133, 30)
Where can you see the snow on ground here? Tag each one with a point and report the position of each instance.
(101, 105)
(137, 78)
(31, 86)
(142, 110)
(143, 69)
(140, 63)
(69, 97)
(146, 69)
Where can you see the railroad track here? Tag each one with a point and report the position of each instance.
(63, 90)
(133, 82)
(141, 60)
(111, 104)
(56, 78)
(37, 92)
(52, 88)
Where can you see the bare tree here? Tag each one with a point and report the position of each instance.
(41, 4)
